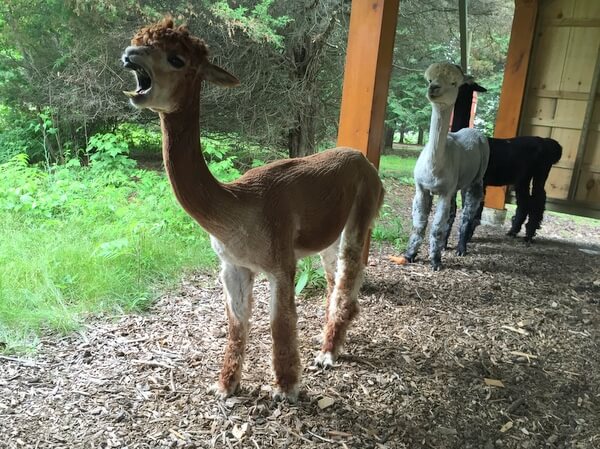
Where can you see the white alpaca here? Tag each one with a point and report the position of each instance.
(448, 163)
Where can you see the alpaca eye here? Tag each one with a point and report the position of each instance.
(176, 61)
(454, 84)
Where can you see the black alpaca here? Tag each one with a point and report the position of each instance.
(523, 162)
(461, 116)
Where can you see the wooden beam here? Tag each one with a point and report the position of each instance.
(576, 22)
(513, 86)
(367, 78)
(464, 42)
(367, 75)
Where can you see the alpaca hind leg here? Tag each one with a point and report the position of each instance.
(523, 200)
(472, 202)
(343, 304)
(537, 203)
(420, 212)
(237, 283)
(477, 219)
(285, 357)
(329, 258)
(438, 226)
(451, 218)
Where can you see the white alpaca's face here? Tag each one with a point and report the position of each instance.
(444, 79)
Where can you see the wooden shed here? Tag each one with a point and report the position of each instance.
(561, 99)
(550, 89)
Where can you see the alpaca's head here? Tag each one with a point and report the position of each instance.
(169, 65)
(444, 80)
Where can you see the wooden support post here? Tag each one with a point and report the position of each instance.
(367, 75)
(513, 86)
(367, 78)
(464, 41)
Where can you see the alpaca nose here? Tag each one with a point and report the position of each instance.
(434, 88)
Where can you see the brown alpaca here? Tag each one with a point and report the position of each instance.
(266, 220)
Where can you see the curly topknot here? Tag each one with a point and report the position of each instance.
(449, 72)
(165, 35)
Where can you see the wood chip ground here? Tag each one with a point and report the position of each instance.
(498, 350)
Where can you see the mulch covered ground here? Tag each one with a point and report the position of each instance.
(498, 350)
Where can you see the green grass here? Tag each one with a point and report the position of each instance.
(398, 167)
(78, 242)
(389, 227)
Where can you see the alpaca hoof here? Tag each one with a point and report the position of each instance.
(436, 265)
(461, 252)
(290, 396)
(220, 391)
(528, 240)
(325, 360)
(410, 259)
(511, 233)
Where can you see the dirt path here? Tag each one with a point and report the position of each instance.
(499, 350)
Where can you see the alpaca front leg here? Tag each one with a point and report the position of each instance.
(523, 199)
(237, 284)
(343, 304)
(438, 228)
(420, 212)
(472, 202)
(286, 358)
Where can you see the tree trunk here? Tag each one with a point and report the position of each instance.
(302, 138)
(402, 131)
(388, 139)
(420, 136)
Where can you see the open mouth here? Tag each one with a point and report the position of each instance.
(144, 81)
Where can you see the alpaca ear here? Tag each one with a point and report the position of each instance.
(479, 88)
(468, 79)
(219, 76)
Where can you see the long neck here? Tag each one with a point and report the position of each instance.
(438, 135)
(198, 192)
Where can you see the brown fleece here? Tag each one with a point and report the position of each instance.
(347, 304)
(231, 372)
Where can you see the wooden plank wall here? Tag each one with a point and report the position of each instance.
(561, 73)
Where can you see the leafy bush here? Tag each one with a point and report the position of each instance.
(309, 274)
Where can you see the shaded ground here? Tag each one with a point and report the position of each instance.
(499, 350)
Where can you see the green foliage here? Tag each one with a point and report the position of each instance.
(17, 135)
(217, 155)
(389, 228)
(309, 274)
(99, 238)
(255, 21)
(109, 159)
(140, 138)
